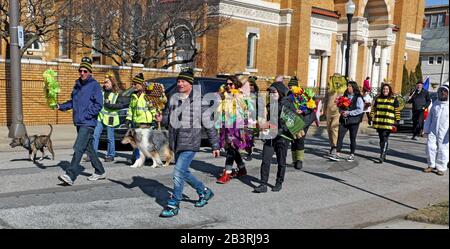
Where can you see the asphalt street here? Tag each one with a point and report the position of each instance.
(324, 194)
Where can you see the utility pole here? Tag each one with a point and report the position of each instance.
(17, 127)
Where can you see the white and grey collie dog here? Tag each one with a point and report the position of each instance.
(151, 144)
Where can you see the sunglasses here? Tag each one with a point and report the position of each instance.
(229, 84)
(83, 71)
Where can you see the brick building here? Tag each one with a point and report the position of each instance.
(309, 38)
(287, 37)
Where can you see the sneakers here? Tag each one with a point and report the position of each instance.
(414, 138)
(109, 159)
(95, 177)
(261, 189)
(86, 159)
(351, 158)
(277, 188)
(428, 170)
(224, 178)
(440, 173)
(204, 198)
(66, 179)
(335, 157)
(172, 209)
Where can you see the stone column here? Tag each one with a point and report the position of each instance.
(338, 68)
(383, 61)
(353, 60)
(369, 61)
(324, 73)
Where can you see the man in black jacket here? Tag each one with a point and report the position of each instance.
(185, 122)
(420, 99)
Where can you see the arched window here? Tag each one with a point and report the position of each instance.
(251, 49)
(36, 45)
(183, 38)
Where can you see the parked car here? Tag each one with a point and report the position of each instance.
(406, 115)
(207, 85)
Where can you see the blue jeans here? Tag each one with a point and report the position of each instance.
(83, 144)
(111, 151)
(182, 174)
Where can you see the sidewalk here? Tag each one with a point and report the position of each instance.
(406, 224)
(63, 136)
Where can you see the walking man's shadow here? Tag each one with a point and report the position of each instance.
(150, 187)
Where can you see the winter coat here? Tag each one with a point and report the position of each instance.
(283, 102)
(420, 101)
(86, 102)
(186, 134)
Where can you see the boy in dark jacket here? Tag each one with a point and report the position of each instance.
(86, 102)
(279, 144)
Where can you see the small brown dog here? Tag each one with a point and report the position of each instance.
(151, 143)
(35, 143)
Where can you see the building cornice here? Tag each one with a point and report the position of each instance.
(256, 11)
(413, 41)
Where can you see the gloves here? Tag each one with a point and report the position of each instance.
(128, 124)
(107, 105)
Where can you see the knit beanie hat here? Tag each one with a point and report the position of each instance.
(86, 62)
(293, 81)
(252, 79)
(187, 75)
(139, 79)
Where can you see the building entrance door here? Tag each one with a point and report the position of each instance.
(313, 70)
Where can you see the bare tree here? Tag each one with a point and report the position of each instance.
(151, 32)
(39, 19)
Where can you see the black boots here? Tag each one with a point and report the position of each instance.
(298, 165)
(384, 149)
(277, 188)
(261, 188)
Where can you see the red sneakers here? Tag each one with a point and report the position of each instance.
(224, 178)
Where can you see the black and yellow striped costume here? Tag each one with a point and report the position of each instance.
(385, 113)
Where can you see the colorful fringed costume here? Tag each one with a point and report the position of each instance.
(51, 88)
(232, 120)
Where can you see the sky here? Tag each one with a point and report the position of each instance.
(436, 2)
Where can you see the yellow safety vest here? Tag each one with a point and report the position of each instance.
(140, 112)
(107, 116)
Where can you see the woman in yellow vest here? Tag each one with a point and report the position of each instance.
(108, 117)
(385, 114)
(141, 114)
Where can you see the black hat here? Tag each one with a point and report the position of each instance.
(187, 75)
(138, 79)
(86, 62)
(252, 79)
(293, 81)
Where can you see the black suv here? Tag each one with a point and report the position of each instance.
(207, 85)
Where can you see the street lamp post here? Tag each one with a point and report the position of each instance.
(17, 127)
(350, 9)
